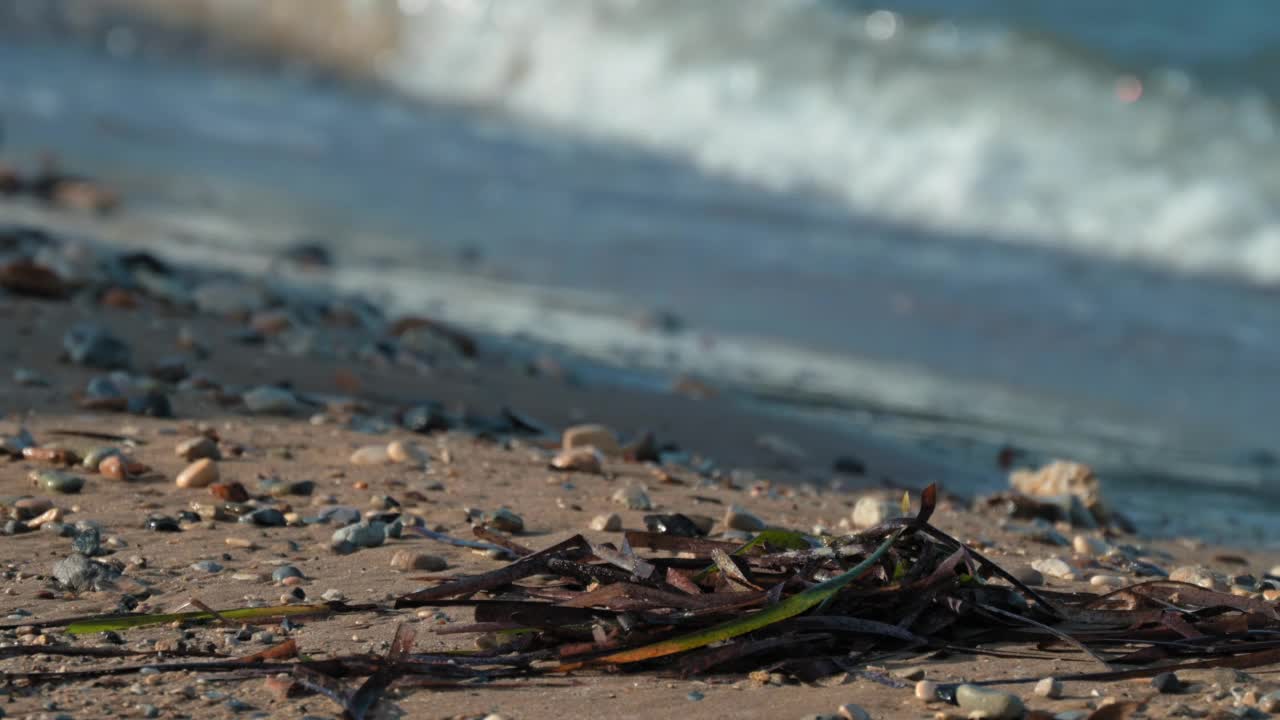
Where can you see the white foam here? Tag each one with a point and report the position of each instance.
(958, 129)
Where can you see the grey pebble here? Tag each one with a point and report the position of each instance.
(285, 571)
(268, 400)
(1166, 683)
(993, 704)
(353, 537)
(77, 572)
(265, 517)
(207, 566)
(506, 521)
(92, 345)
(735, 518)
(633, 497)
(59, 482)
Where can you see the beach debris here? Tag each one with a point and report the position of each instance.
(581, 459)
(633, 497)
(1062, 490)
(201, 473)
(92, 345)
(1199, 575)
(1054, 566)
(607, 522)
(598, 437)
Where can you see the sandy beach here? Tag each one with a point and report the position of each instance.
(300, 401)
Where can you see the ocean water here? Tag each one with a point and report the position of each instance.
(957, 224)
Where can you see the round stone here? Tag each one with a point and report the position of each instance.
(408, 561)
(592, 436)
(583, 459)
(198, 474)
(1049, 688)
(59, 482)
(283, 572)
(198, 448)
(993, 704)
(506, 521)
(610, 522)
(736, 518)
(371, 455)
(633, 497)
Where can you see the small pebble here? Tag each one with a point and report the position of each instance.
(1027, 575)
(268, 400)
(1108, 581)
(992, 704)
(1055, 567)
(371, 455)
(735, 518)
(506, 521)
(609, 522)
(927, 690)
(408, 561)
(92, 345)
(403, 452)
(591, 436)
(1197, 575)
(587, 460)
(1270, 702)
(633, 497)
(1089, 546)
(198, 448)
(332, 595)
(871, 511)
(850, 711)
(59, 482)
(284, 572)
(1049, 688)
(206, 566)
(198, 474)
(1166, 683)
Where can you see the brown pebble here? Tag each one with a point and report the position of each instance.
(583, 459)
(592, 436)
(55, 456)
(360, 485)
(281, 686)
(408, 561)
(371, 455)
(231, 492)
(113, 467)
(291, 581)
(198, 474)
(198, 447)
(239, 542)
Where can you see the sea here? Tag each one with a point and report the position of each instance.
(956, 225)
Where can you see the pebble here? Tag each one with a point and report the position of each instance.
(1089, 546)
(77, 572)
(198, 448)
(1054, 566)
(32, 506)
(92, 345)
(371, 455)
(1028, 575)
(909, 673)
(506, 521)
(332, 595)
(609, 522)
(269, 400)
(403, 452)
(849, 711)
(633, 497)
(993, 704)
(424, 419)
(162, 523)
(592, 436)
(87, 542)
(283, 572)
(1108, 581)
(206, 566)
(1166, 683)
(587, 460)
(198, 474)
(52, 515)
(113, 467)
(676, 524)
(94, 458)
(231, 492)
(59, 482)
(1199, 575)
(927, 690)
(29, 378)
(353, 537)
(265, 517)
(735, 518)
(1049, 688)
(151, 404)
(1270, 702)
(871, 511)
(407, 561)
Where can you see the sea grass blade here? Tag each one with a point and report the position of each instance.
(789, 608)
(125, 622)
